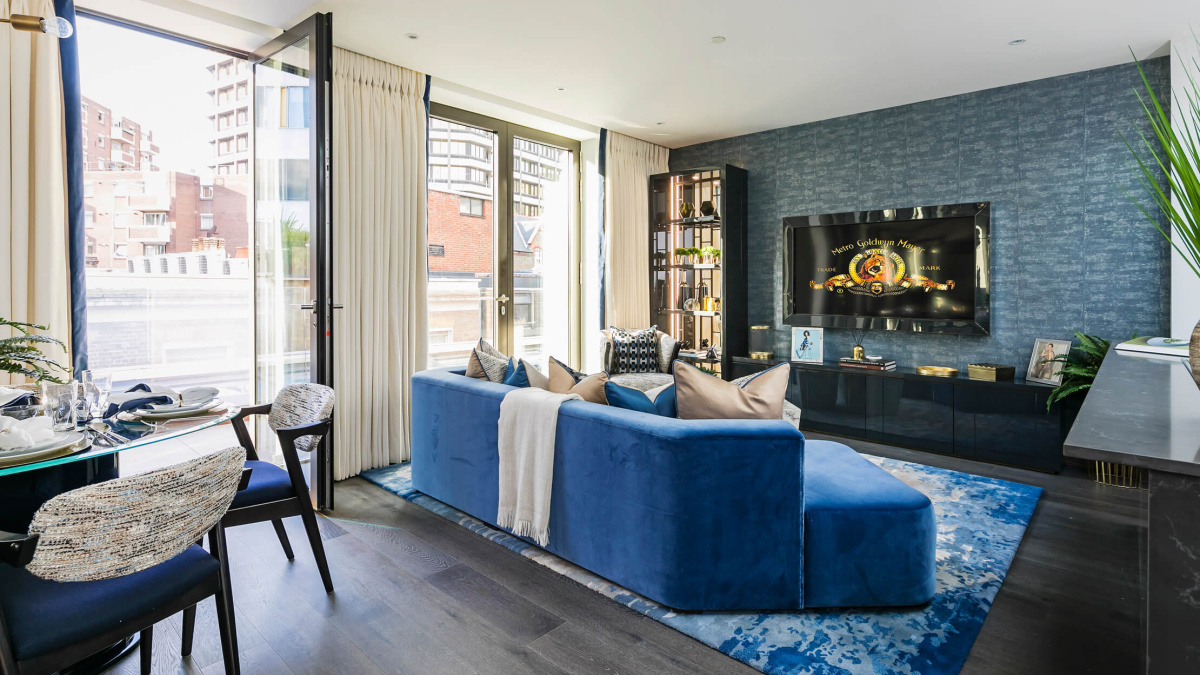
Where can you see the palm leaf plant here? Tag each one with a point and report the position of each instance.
(1080, 366)
(22, 355)
(1171, 171)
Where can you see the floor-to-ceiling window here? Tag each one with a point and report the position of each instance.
(503, 244)
(167, 189)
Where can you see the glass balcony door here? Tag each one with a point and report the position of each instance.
(293, 264)
(503, 239)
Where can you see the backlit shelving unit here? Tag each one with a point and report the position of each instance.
(725, 277)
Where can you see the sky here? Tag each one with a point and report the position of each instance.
(158, 83)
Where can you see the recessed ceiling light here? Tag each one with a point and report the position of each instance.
(717, 39)
(659, 123)
(1018, 41)
(412, 36)
(560, 89)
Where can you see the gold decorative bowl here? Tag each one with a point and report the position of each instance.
(761, 356)
(937, 371)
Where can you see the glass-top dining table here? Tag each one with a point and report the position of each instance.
(121, 433)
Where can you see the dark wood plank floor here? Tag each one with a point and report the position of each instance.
(417, 594)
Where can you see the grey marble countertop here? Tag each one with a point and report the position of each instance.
(1141, 411)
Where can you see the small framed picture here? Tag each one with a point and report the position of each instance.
(808, 344)
(1040, 368)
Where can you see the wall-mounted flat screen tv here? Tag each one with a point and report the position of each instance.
(921, 269)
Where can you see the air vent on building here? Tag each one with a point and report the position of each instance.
(147, 265)
(182, 265)
(225, 268)
(129, 264)
(203, 264)
(163, 266)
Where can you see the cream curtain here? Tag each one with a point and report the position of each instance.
(629, 163)
(379, 249)
(35, 282)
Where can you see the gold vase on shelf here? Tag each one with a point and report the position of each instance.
(686, 209)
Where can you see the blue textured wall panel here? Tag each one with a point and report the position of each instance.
(1069, 250)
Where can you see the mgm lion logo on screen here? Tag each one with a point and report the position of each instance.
(879, 272)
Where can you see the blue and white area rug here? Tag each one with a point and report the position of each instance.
(980, 524)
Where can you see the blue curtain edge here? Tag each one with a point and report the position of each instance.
(68, 51)
(602, 169)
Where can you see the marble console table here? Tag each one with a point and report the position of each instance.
(1145, 412)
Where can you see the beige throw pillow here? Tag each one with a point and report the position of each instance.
(590, 388)
(536, 377)
(700, 396)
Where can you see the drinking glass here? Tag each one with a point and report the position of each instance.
(101, 386)
(59, 401)
(84, 396)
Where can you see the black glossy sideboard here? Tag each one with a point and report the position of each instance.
(1001, 422)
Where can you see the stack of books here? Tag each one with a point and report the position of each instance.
(869, 364)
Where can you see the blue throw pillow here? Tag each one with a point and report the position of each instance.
(515, 376)
(632, 399)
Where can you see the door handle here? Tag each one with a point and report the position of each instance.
(503, 300)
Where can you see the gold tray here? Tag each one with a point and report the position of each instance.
(937, 371)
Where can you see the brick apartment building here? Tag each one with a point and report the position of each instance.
(115, 144)
(231, 116)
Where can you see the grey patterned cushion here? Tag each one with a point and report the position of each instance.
(668, 350)
(642, 381)
(484, 366)
(634, 351)
(301, 404)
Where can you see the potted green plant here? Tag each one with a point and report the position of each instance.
(695, 253)
(1177, 196)
(1080, 366)
(21, 354)
(681, 255)
(716, 255)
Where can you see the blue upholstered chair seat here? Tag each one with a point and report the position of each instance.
(44, 616)
(268, 483)
(869, 539)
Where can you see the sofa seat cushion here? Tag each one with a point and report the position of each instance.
(268, 483)
(869, 539)
(642, 381)
(45, 616)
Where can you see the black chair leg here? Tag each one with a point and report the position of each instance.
(189, 630)
(225, 615)
(283, 538)
(314, 539)
(146, 650)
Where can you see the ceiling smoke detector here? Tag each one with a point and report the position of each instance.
(412, 36)
(717, 39)
(1018, 41)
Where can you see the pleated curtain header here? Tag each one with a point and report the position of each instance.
(354, 67)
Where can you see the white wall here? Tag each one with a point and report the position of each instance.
(589, 278)
(1185, 285)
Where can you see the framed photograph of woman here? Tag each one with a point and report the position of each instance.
(1041, 367)
(808, 344)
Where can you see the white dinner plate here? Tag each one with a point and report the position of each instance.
(170, 414)
(63, 443)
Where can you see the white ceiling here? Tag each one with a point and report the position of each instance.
(628, 65)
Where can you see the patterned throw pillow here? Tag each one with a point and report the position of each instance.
(634, 351)
(668, 351)
(483, 366)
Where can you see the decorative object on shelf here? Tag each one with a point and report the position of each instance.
(712, 354)
(709, 304)
(937, 371)
(1079, 366)
(991, 372)
(1176, 199)
(707, 208)
(681, 255)
(701, 293)
(859, 353)
(686, 209)
(808, 344)
(690, 305)
(1156, 345)
(660, 258)
(21, 354)
(760, 342)
(684, 294)
(1044, 364)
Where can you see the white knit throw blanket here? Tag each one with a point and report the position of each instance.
(528, 425)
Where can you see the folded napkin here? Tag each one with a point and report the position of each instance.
(21, 434)
(12, 397)
(140, 396)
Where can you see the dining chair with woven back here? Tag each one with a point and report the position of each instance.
(300, 416)
(107, 561)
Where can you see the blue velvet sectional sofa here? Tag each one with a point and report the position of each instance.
(693, 514)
